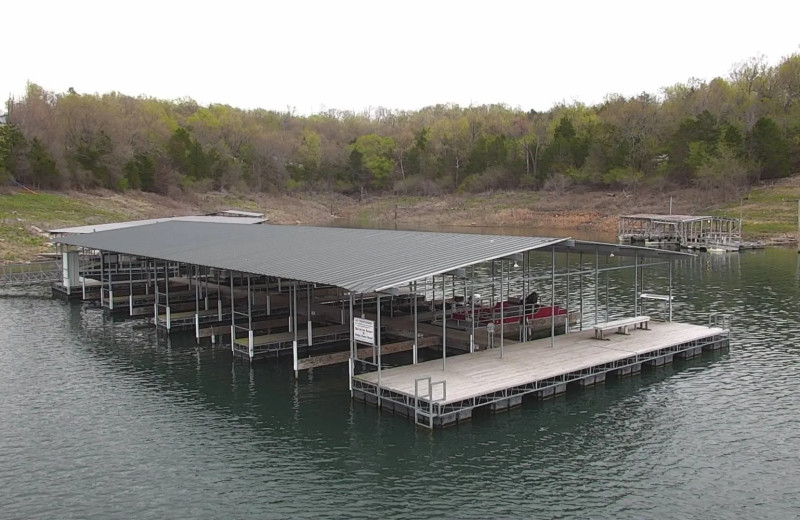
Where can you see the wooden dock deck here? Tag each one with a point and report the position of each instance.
(437, 398)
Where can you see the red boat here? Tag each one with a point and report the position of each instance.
(507, 312)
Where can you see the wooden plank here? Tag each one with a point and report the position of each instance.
(364, 353)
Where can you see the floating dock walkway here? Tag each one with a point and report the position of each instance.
(436, 398)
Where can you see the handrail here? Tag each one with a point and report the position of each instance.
(19, 274)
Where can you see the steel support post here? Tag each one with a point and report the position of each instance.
(566, 318)
(596, 282)
(416, 334)
(502, 309)
(444, 326)
(378, 342)
(636, 284)
(553, 297)
(670, 290)
(293, 317)
(353, 351)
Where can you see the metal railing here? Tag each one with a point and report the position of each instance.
(33, 272)
(721, 320)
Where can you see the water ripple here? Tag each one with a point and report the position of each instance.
(105, 419)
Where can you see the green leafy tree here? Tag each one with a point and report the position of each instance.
(91, 153)
(43, 170)
(140, 173)
(375, 155)
(566, 152)
(12, 144)
(723, 171)
(695, 140)
(769, 149)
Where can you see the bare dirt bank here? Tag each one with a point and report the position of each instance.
(770, 212)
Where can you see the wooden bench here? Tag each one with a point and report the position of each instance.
(641, 322)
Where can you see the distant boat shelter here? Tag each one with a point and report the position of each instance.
(683, 231)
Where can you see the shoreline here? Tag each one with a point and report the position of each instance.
(770, 214)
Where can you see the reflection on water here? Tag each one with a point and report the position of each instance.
(105, 419)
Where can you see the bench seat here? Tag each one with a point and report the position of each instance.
(621, 325)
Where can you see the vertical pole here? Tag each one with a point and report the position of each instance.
(293, 311)
(156, 291)
(596, 281)
(606, 313)
(580, 288)
(130, 286)
(249, 307)
(205, 284)
(566, 316)
(502, 308)
(233, 312)
(636, 284)
(670, 290)
(416, 335)
(196, 306)
(526, 285)
(433, 293)
(472, 311)
(553, 297)
(444, 325)
(102, 280)
(353, 351)
(308, 315)
(166, 279)
(378, 341)
(219, 299)
(493, 285)
(111, 284)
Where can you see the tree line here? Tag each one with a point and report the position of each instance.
(728, 132)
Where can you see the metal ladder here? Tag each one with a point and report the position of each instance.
(424, 416)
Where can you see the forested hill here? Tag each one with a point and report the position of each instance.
(728, 132)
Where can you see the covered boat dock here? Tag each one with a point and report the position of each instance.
(327, 295)
(701, 232)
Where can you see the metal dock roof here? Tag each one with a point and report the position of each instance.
(359, 260)
(668, 218)
(221, 219)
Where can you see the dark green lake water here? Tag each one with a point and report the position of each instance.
(109, 420)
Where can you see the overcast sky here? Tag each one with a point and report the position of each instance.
(351, 55)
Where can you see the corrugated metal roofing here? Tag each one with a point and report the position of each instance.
(359, 260)
(668, 218)
(132, 223)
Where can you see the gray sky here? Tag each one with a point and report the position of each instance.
(351, 55)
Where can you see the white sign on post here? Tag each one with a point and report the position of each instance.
(364, 330)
